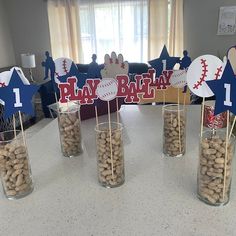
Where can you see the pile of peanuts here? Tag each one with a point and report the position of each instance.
(110, 169)
(211, 172)
(69, 126)
(173, 145)
(15, 170)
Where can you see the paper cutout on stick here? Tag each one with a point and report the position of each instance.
(94, 68)
(144, 87)
(5, 77)
(114, 66)
(186, 61)
(231, 55)
(64, 68)
(107, 89)
(202, 69)
(224, 90)
(178, 79)
(170, 94)
(164, 62)
(49, 66)
(17, 96)
(85, 95)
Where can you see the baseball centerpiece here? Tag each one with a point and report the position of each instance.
(109, 140)
(16, 95)
(174, 130)
(68, 114)
(208, 76)
(178, 79)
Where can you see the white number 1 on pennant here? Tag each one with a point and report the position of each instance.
(227, 101)
(163, 64)
(17, 97)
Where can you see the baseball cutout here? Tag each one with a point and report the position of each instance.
(107, 89)
(5, 78)
(202, 69)
(178, 79)
(62, 67)
(231, 55)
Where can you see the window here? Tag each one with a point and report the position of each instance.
(136, 28)
(120, 26)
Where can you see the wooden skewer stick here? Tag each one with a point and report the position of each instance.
(117, 111)
(22, 128)
(56, 97)
(226, 154)
(109, 123)
(232, 128)
(14, 125)
(185, 95)
(179, 123)
(96, 115)
(164, 97)
(202, 116)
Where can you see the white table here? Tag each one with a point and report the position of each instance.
(158, 197)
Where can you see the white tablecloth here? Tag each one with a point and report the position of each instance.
(157, 198)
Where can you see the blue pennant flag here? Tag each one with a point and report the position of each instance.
(17, 96)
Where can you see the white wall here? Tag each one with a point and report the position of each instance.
(200, 26)
(29, 26)
(7, 56)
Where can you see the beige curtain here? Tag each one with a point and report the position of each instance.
(164, 14)
(64, 27)
(176, 28)
(158, 27)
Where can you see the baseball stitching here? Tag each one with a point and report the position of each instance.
(64, 67)
(217, 74)
(2, 84)
(177, 75)
(179, 82)
(203, 76)
(107, 84)
(107, 94)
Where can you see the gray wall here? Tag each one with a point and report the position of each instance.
(7, 55)
(29, 27)
(200, 28)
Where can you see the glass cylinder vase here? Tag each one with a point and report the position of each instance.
(70, 130)
(174, 130)
(215, 167)
(110, 154)
(14, 165)
(211, 121)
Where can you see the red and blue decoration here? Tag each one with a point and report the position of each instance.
(49, 66)
(94, 69)
(185, 61)
(164, 62)
(17, 96)
(224, 90)
(81, 77)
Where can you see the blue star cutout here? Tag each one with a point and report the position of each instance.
(81, 77)
(224, 90)
(17, 96)
(157, 63)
